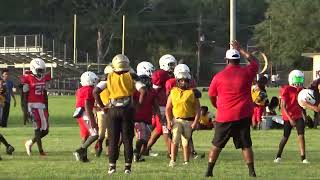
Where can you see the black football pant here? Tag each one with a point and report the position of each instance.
(120, 122)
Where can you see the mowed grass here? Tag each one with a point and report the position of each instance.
(63, 139)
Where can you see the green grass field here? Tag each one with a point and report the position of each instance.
(63, 139)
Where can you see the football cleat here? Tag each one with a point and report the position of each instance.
(127, 171)
(208, 174)
(253, 174)
(305, 161)
(277, 160)
(195, 155)
(79, 154)
(137, 158)
(172, 163)
(152, 154)
(10, 150)
(111, 170)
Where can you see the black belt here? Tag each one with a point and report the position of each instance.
(186, 119)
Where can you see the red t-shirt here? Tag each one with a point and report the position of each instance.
(37, 87)
(171, 83)
(84, 93)
(289, 95)
(232, 86)
(144, 114)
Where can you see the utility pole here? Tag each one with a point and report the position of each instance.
(199, 47)
(75, 39)
(232, 21)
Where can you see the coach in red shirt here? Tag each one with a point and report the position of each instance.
(230, 94)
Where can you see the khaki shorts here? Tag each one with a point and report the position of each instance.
(102, 124)
(181, 132)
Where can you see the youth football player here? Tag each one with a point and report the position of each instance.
(121, 84)
(182, 114)
(292, 114)
(84, 114)
(35, 96)
(143, 116)
(159, 78)
(171, 83)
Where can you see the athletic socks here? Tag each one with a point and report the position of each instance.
(252, 173)
(210, 169)
(89, 141)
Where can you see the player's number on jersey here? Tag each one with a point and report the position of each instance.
(39, 89)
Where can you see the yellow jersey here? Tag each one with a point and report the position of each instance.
(183, 102)
(120, 85)
(259, 97)
(204, 119)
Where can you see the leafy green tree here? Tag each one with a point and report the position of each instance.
(290, 28)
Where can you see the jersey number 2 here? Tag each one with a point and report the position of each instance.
(39, 89)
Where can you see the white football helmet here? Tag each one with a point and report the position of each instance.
(145, 68)
(183, 75)
(306, 95)
(181, 68)
(167, 62)
(120, 63)
(296, 78)
(37, 67)
(108, 69)
(89, 79)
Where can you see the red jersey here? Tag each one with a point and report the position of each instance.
(289, 94)
(232, 87)
(84, 93)
(159, 79)
(37, 87)
(171, 83)
(144, 114)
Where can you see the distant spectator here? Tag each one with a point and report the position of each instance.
(205, 121)
(260, 99)
(9, 86)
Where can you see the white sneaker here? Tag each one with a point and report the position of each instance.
(305, 161)
(186, 163)
(172, 163)
(127, 171)
(277, 160)
(28, 146)
(111, 170)
(152, 154)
